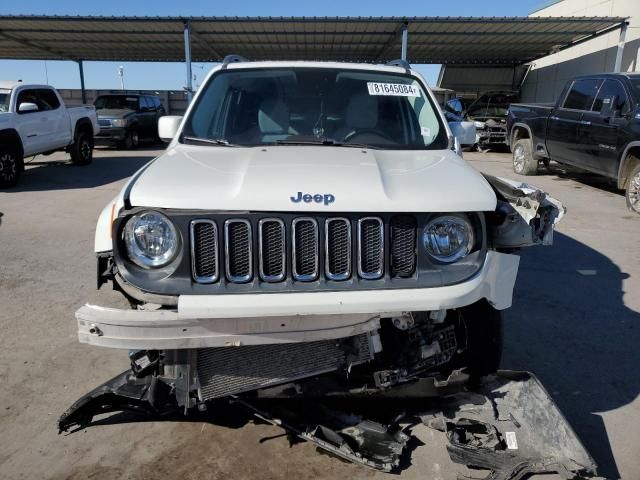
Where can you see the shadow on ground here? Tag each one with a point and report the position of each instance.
(63, 175)
(569, 326)
(565, 173)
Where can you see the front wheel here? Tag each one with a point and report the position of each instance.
(633, 190)
(523, 161)
(132, 140)
(10, 167)
(82, 149)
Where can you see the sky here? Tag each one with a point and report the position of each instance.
(171, 76)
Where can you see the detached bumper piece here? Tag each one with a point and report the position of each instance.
(149, 396)
(505, 424)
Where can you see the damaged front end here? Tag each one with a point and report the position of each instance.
(316, 363)
(525, 215)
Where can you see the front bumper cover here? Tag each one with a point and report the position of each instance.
(254, 319)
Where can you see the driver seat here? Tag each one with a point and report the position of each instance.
(273, 120)
(361, 114)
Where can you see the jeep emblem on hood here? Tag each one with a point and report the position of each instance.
(325, 198)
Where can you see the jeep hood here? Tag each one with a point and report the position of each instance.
(265, 179)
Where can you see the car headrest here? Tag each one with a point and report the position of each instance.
(273, 116)
(362, 111)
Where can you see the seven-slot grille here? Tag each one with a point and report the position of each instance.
(296, 248)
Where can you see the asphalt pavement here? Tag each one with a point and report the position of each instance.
(575, 323)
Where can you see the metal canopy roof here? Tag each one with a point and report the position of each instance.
(457, 40)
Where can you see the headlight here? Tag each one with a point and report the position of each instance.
(151, 239)
(120, 122)
(480, 125)
(448, 238)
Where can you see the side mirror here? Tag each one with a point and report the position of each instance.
(27, 107)
(463, 132)
(168, 127)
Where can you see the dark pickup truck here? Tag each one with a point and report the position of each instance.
(594, 125)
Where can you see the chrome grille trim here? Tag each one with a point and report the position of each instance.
(304, 277)
(343, 275)
(261, 251)
(227, 250)
(379, 271)
(197, 256)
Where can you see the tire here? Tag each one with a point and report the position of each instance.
(484, 328)
(10, 166)
(633, 190)
(82, 149)
(132, 141)
(523, 161)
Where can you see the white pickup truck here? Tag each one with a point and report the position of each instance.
(34, 120)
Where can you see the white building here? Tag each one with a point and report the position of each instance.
(548, 75)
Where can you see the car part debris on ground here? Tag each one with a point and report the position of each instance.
(505, 424)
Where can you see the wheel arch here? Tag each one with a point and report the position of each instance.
(83, 125)
(628, 161)
(12, 136)
(518, 131)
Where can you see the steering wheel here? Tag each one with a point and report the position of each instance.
(367, 131)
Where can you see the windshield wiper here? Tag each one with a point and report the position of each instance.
(208, 141)
(323, 141)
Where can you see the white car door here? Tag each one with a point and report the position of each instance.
(57, 128)
(30, 125)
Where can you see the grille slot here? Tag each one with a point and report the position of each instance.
(304, 239)
(370, 248)
(337, 248)
(272, 250)
(204, 251)
(238, 250)
(226, 371)
(403, 246)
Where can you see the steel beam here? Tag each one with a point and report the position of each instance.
(621, 41)
(82, 88)
(405, 41)
(187, 59)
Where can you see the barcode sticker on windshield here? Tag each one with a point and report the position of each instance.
(393, 89)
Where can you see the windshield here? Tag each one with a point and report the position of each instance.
(116, 102)
(492, 105)
(315, 106)
(5, 95)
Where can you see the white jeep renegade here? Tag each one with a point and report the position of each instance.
(310, 222)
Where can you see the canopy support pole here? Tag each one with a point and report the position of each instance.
(187, 59)
(623, 32)
(82, 89)
(405, 41)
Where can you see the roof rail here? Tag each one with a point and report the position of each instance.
(233, 59)
(399, 63)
